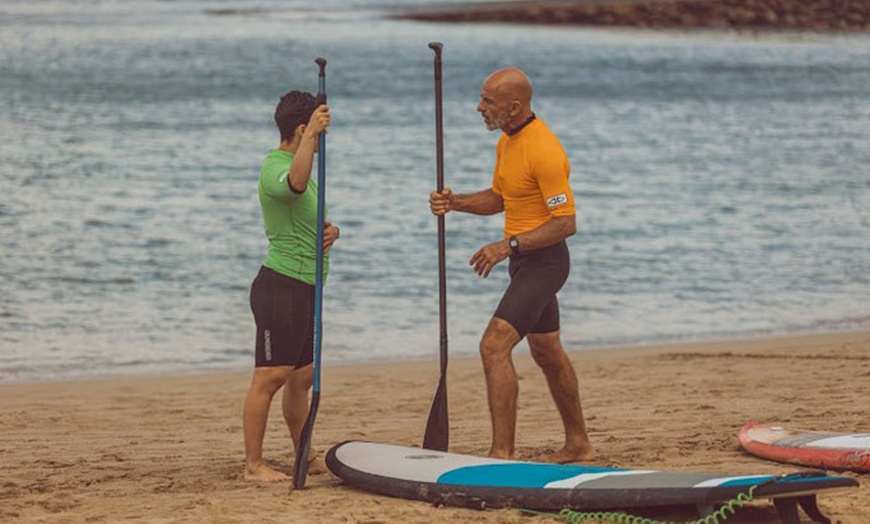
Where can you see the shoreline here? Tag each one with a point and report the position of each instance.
(169, 448)
(741, 15)
(433, 359)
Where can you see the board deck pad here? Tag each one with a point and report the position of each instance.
(454, 479)
(819, 449)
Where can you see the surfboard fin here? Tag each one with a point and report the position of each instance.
(787, 509)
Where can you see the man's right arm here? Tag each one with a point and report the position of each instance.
(485, 202)
(300, 169)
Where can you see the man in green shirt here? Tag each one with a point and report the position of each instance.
(282, 294)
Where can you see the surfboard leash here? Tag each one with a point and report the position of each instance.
(720, 515)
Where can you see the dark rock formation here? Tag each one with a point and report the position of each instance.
(815, 15)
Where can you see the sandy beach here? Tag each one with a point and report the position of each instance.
(169, 449)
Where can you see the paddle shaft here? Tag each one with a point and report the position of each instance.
(438, 427)
(300, 466)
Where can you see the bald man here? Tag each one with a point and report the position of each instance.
(530, 185)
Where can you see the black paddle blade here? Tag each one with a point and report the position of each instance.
(300, 466)
(437, 433)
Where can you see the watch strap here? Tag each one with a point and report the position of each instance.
(514, 244)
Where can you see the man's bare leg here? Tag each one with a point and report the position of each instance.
(502, 387)
(547, 350)
(264, 384)
(294, 406)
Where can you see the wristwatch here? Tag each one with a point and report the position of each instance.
(514, 245)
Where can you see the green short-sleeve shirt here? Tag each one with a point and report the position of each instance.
(290, 220)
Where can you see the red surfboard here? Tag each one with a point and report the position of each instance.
(822, 449)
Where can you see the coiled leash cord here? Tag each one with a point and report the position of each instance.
(720, 515)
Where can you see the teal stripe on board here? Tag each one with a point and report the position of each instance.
(517, 475)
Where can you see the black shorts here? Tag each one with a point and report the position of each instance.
(529, 304)
(283, 310)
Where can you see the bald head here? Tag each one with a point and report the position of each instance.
(505, 99)
(512, 84)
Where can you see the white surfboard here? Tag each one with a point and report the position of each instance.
(477, 482)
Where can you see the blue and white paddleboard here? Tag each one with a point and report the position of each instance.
(477, 482)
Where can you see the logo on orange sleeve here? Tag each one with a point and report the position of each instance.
(558, 200)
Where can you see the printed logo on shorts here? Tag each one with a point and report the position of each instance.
(267, 339)
(283, 178)
(558, 200)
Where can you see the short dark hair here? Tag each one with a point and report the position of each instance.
(294, 109)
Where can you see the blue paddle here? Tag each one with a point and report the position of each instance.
(300, 467)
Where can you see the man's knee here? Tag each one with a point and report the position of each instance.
(546, 349)
(300, 380)
(270, 379)
(498, 340)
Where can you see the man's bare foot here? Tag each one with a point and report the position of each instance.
(568, 454)
(263, 473)
(316, 466)
(503, 455)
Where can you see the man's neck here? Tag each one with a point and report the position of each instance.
(290, 146)
(516, 128)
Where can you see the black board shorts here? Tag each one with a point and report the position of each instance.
(283, 310)
(529, 304)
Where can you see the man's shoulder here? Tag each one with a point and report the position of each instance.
(540, 128)
(276, 158)
(276, 164)
(544, 140)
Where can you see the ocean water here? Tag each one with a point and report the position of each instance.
(723, 179)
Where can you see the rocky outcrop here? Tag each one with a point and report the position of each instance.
(815, 15)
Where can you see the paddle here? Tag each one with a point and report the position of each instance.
(300, 467)
(438, 427)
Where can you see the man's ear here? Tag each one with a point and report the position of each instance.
(300, 130)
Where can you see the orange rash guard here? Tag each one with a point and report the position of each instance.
(531, 175)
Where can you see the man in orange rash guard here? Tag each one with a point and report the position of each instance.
(530, 184)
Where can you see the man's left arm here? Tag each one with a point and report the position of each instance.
(555, 230)
(550, 232)
(559, 227)
(552, 171)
